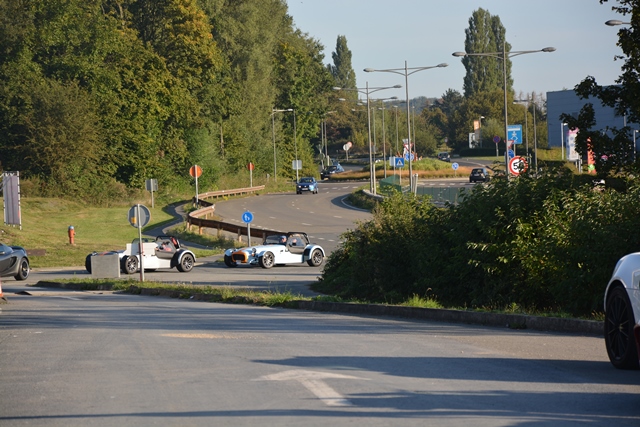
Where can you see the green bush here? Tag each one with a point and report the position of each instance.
(547, 243)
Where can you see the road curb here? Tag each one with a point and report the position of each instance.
(510, 321)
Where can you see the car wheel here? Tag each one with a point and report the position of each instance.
(618, 330)
(87, 263)
(129, 264)
(267, 260)
(186, 264)
(23, 272)
(316, 258)
(229, 262)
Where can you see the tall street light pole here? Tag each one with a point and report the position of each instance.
(504, 55)
(535, 134)
(273, 131)
(406, 72)
(367, 91)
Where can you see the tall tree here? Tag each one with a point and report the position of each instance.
(485, 34)
(342, 70)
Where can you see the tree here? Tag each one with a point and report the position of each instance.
(342, 70)
(485, 34)
(612, 150)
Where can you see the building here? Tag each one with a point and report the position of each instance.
(567, 101)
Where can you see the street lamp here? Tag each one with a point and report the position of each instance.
(614, 22)
(406, 72)
(368, 90)
(273, 131)
(535, 134)
(504, 55)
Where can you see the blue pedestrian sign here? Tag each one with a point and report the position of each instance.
(514, 134)
(397, 162)
(247, 217)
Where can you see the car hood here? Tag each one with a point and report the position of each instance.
(257, 248)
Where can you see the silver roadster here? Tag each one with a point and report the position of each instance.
(288, 248)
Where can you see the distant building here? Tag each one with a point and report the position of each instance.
(567, 101)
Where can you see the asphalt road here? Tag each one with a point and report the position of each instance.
(102, 359)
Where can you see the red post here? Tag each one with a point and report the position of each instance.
(72, 235)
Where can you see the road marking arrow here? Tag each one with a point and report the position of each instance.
(312, 380)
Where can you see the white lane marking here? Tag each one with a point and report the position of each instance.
(312, 380)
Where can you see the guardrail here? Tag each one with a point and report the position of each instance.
(199, 218)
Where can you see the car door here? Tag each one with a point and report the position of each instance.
(6, 257)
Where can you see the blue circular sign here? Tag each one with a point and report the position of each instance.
(454, 165)
(496, 139)
(511, 154)
(247, 217)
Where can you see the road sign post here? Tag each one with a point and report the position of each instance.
(139, 216)
(247, 217)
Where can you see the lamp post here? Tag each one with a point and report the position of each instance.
(367, 91)
(504, 55)
(406, 72)
(396, 108)
(480, 129)
(526, 125)
(562, 125)
(535, 134)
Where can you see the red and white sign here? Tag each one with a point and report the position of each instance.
(517, 165)
(195, 171)
(250, 166)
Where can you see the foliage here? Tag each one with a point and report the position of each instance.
(613, 150)
(543, 243)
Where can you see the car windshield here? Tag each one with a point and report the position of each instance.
(478, 171)
(306, 180)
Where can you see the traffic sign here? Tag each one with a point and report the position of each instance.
(397, 162)
(496, 139)
(455, 166)
(514, 134)
(518, 165)
(247, 217)
(139, 216)
(511, 154)
(195, 171)
(250, 166)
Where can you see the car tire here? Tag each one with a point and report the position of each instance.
(87, 263)
(129, 264)
(316, 258)
(186, 263)
(267, 260)
(618, 330)
(23, 271)
(229, 262)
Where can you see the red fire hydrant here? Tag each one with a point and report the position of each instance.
(72, 235)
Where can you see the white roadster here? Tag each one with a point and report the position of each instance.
(288, 248)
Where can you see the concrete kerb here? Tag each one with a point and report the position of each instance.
(502, 320)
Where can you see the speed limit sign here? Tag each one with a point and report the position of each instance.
(518, 165)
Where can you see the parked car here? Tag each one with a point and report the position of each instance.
(622, 313)
(330, 170)
(278, 249)
(444, 156)
(14, 262)
(163, 252)
(479, 174)
(308, 183)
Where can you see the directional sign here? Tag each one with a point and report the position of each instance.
(514, 134)
(455, 166)
(511, 154)
(397, 162)
(518, 165)
(247, 217)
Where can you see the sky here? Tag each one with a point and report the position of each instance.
(383, 34)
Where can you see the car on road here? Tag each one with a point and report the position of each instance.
(479, 175)
(622, 313)
(14, 262)
(444, 156)
(327, 172)
(307, 183)
(161, 252)
(278, 249)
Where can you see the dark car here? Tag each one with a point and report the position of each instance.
(308, 183)
(479, 175)
(330, 170)
(444, 156)
(14, 262)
